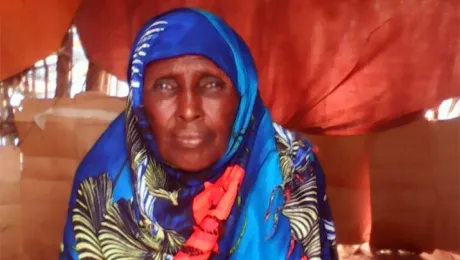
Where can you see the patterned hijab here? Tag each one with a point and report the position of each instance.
(264, 199)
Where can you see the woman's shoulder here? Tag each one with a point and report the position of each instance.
(285, 138)
(108, 154)
(294, 149)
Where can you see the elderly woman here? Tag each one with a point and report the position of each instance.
(195, 168)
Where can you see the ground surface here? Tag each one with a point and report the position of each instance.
(357, 252)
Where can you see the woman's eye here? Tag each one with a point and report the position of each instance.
(212, 84)
(163, 86)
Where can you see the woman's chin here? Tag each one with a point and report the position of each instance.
(191, 162)
(193, 159)
(191, 167)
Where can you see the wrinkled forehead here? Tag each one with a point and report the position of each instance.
(178, 33)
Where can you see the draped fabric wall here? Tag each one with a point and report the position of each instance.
(326, 67)
(30, 30)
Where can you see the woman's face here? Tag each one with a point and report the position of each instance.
(191, 105)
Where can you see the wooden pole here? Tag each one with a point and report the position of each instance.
(64, 66)
(96, 79)
(45, 65)
(7, 126)
(33, 80)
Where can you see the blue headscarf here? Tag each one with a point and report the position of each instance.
(281, 211)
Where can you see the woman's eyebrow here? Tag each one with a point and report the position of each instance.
(215, 73)
(165, 77)
(211, 75)
(159, 75)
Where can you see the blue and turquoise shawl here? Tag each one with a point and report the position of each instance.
(127, 203)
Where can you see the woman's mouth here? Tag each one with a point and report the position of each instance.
(189, 139)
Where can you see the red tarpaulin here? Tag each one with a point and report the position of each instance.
(30, 30)
(326, 67)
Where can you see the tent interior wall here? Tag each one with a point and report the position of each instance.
(393, 177)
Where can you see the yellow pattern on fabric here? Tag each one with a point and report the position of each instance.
(301, 209)
(107, 230)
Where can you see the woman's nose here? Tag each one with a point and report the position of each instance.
(189, 106)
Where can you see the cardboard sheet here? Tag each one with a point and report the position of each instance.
(51, 157)
(10, 204)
